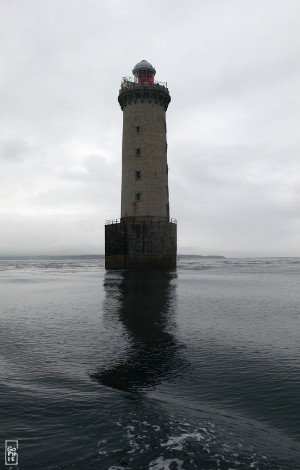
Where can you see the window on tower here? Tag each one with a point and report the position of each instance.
(138, 196)
(138, 175)
(138, 152)
(138, 129)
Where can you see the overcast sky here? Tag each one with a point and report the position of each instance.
(233, 72)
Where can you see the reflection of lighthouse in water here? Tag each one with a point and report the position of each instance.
(145, 236)
(145, 310)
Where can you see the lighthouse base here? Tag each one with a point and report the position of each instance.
(141, 242)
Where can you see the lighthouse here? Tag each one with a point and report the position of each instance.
(145, 236)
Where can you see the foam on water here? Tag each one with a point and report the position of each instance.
(167, 440)
(166, 464)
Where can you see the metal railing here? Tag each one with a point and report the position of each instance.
(140, 219)
(132, 80)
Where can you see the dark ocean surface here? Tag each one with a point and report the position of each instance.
(197, 368)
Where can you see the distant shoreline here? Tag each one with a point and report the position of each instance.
(66, 257)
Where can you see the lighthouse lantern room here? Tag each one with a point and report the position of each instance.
(144, 72)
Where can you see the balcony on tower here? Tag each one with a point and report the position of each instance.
(143, 86)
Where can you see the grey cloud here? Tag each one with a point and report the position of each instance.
(13, 150)
(233, 123)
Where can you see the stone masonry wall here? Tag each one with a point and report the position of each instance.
(144, 131)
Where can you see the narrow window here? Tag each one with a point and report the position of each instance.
(138, 152)
(138, 175)
(138, 196)
(167, 169)
(138, 129)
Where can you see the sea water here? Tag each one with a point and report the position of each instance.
(196, 368)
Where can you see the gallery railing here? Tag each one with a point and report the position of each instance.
(140, 219)
(127, 81)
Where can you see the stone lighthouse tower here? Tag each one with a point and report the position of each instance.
(144, 236)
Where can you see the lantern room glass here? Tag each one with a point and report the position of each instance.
(142, 76)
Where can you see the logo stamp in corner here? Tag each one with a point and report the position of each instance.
(11, 452)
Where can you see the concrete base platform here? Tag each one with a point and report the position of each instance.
(141, 243)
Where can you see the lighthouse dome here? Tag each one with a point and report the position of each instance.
(143, 65)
